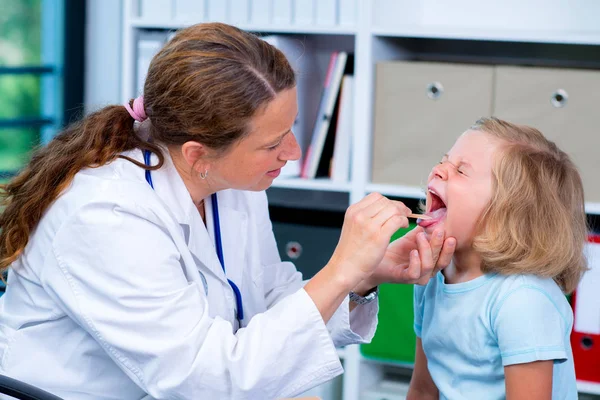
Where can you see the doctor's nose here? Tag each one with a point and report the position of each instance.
(291, 149)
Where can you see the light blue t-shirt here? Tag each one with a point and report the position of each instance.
(471, 330)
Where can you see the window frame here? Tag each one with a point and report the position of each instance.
(61, 71)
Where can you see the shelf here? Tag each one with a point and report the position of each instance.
(492, 35)
(271, 28)
(592, 208)
(388, 363)
(588, 387)
(397, 190)
(323, 184)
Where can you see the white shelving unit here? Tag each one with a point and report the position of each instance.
(588, 387)
(312, 184)
(374, 36)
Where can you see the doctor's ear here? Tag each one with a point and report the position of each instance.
(194, 153)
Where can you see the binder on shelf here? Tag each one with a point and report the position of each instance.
(282, 12)
(347, 10)
(395, 338)
(148, 44)
(585, 337)
(217, 10)
(340, 169)
(320, 150)
(155, 10)
(326, 12)
(239, 11)
(190, 11)
(304, 12)
(261, 12)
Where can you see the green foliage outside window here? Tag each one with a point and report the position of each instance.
(20, 46)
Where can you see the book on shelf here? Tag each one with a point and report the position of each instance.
(148, 44)
(320, 151)
(340, 163)
(308, 86)
(347, 10)
(304, 12)
(155, 10)
(282, 12)
(190, 11)
(326, 12)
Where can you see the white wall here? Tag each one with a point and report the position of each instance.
(103, 53)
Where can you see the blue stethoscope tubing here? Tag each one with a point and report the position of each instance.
(218, 242)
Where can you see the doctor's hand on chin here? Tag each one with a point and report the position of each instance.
(413, 258)
(364, 257)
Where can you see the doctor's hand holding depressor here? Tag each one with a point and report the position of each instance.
(413, 258)
(364, 258)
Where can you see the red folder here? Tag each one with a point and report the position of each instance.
(586, 344)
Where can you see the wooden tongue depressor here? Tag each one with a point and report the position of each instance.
(419, 216)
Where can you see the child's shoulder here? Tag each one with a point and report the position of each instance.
(528, 294)
(508, 285)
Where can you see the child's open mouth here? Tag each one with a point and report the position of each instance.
(437, 211)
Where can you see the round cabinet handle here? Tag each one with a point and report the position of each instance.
(435, 90)
(293, 250)
(587, 342)
(559, 98)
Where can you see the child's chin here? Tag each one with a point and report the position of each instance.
(438, 225)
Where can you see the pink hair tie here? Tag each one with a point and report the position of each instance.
(138, 113)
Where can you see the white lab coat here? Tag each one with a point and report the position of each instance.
(120, 294)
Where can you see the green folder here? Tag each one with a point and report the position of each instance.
(395, 337)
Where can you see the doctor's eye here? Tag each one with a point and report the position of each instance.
(274, 147)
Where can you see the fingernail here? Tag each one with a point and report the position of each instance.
(423, 236)
(414, 253)
(451, 242)
(439, 234)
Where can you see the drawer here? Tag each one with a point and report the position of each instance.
(420, 110)
(563, 104)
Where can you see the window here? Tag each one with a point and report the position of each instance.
(41, 75)
(31, 33)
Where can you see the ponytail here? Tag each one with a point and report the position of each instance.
(95, 141)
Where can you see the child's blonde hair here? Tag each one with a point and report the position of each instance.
(536, 221)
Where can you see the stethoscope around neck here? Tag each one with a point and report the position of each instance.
(218, 242)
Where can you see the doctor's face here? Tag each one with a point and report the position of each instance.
(256, 160)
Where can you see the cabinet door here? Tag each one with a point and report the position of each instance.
(309, 247)
(564, 105)
(420, 110)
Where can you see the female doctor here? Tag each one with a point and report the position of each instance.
(142, 259)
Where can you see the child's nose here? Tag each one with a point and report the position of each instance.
(440, 171)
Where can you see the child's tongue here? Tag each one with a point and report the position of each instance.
(436, 216)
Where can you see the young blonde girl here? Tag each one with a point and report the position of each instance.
(495, 323)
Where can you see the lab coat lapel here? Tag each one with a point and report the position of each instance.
(170, 188)
(234, 231)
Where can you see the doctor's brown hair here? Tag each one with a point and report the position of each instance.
(205, 85)
(536, 221)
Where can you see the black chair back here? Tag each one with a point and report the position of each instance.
(23, 391)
